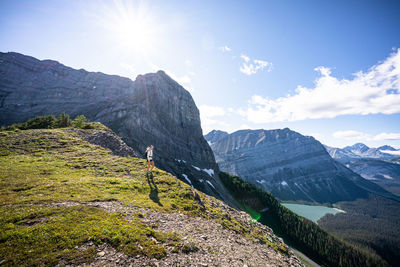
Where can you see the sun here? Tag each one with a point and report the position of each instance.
(131, 26)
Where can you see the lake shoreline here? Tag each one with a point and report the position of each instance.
(339, 210)
(312, 212)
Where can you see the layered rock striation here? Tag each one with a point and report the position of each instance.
(290, 166)
(153, 109)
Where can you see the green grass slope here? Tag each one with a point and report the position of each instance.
(41, 168)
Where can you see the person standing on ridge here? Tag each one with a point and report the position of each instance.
(149, 152)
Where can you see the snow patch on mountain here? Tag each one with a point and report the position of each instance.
(210, 184)
(197, 168)
(209, 171)
(187, 178)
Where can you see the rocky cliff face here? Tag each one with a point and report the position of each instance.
(153, 109)
(290, 166)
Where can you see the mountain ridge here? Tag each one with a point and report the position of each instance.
(379, 165)
(357, 151)
(82, 204)
(290, 166)
(215, 135)
(152, 110)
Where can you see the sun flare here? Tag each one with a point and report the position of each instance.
(132, 26)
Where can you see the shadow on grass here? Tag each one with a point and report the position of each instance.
(153, 189)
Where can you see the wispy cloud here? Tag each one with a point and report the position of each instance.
(209, 115)
(387, 136)
(361, 136)
(225, 48)
(374, 91)
(211, 111)
(250, 68)
(245, 58)
(351, 135)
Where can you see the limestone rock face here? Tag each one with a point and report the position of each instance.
(290, 166)
(214, 136)
(152, 110)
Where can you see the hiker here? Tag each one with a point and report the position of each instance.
(149, 152)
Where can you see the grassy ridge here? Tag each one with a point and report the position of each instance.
(56, 165)
(314, 241)
(40, 167)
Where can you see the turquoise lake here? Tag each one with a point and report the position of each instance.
(313, 213)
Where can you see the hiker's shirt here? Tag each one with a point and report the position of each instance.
(150, 155)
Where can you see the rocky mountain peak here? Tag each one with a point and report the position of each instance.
(358, 151)
(153, 109)
(358, 147)
(215, 135)
(290, 166)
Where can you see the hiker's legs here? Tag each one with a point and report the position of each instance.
(148, 165)
(152, 165)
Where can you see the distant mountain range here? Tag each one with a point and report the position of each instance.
(361, 150)
(380, 165)
(289, 165)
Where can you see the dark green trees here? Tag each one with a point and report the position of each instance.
(304, 234)
(63, 120)
(50, 122)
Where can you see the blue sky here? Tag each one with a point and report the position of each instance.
(330, 69)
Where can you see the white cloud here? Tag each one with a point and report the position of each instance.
(351, 135)
(183, 80)
(249, 68)
(360, 136)
(211, 111)
(208, 114)
(245, 58)
(374, 91)
(387, 136)
(225, 48)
